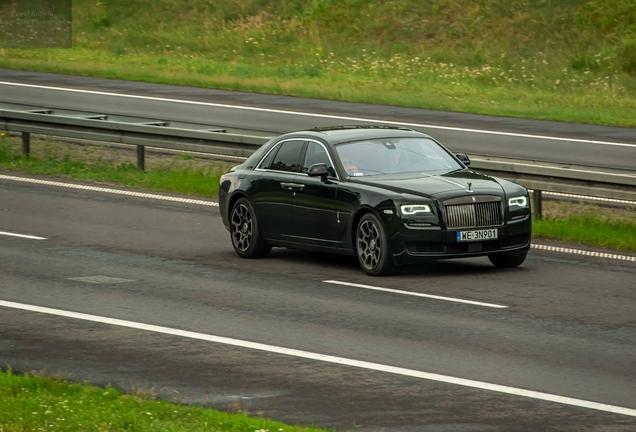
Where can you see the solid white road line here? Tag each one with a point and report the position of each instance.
(216, 204)
(327, 116)
(415, 294)
(22, 236)
(108, 190)
(328, 359)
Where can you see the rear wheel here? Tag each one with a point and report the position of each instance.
(372, 246)
(244, 230)
(507, 261)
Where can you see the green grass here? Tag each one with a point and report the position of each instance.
(175, 174)
(589, 225)
(573, 60)
(41, 403)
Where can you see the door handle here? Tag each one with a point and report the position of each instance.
(296, 186)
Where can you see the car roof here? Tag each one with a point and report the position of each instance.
(340, 134)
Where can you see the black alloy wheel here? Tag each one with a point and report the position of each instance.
(507, 261)
(372, 246)
(246, 237)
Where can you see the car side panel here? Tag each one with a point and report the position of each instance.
(316, 214)
(353, 198)
(272, 203)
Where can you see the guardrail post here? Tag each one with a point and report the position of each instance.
(26, 143)
(536, 203)
(141, 157)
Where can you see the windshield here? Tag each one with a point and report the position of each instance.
(395, 155)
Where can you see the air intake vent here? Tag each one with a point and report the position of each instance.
(474, 215)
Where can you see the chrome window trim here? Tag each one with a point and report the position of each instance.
(258, 165)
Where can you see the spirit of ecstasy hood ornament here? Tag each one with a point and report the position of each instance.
(470, 185)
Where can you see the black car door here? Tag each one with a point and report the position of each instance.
(315, 207)
(271, 193)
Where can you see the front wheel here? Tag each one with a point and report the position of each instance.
(244, 230)
(372, 246)
(507, 261)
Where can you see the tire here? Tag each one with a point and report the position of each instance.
(372, 246)
(244, 231)
(507, 261)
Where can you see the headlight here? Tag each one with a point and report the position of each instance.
(411, 209)
(518, 202)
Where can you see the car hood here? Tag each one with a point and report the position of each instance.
(433, 185)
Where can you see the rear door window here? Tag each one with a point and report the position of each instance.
(267, 161)
(287, 157)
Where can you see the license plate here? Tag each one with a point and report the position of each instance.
(478, 235)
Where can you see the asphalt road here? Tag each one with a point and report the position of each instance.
(569, 328)
(277, 114)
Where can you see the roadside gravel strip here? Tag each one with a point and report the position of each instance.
(211, 203)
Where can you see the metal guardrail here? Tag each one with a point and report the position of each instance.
(618, 186)
(143, 132)
(126, 130)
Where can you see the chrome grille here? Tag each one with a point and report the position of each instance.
(473, 215)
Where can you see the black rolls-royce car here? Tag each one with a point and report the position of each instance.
(388, 195)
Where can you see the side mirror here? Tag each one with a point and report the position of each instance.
(463, 158)
(318, 170)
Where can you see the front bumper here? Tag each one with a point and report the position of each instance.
(414, 246)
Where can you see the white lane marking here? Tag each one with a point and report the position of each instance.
(327, 358)
(107, 190)
(215, 204)
(583, 252)
(394, 291)
(22, 236)
(100, 279)
(306, 114)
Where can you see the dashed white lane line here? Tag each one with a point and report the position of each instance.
(306, 114)
(583, 252)
(100, 279)
(22, 236)
(215, 204)
(108, 190)
(415, 294)
(327, 358)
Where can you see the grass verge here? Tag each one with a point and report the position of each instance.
(569, 61)
(584, 224)
(588, 224)
(34, 402)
